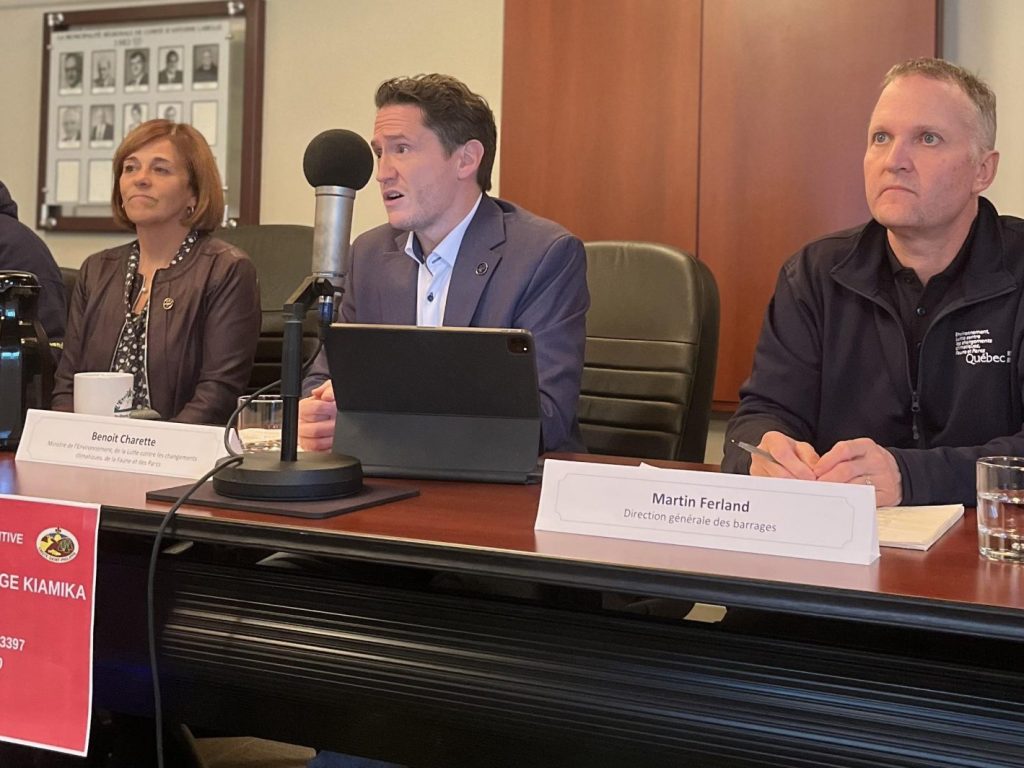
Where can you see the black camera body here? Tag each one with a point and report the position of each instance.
(26, 362)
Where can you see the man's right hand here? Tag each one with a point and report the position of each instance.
(795, 460)
(316, 419)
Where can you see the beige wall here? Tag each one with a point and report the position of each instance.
(323, 61)
(984, 36)
(325, 57)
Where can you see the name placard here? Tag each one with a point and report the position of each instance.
(47, 586)
(120, 444)
(791, 518)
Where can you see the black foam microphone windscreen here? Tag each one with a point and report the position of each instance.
(338, 158)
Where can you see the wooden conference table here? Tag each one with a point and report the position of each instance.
(443, 631)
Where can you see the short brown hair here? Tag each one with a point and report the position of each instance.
(974, 87)
(452, 111)
(203, 176)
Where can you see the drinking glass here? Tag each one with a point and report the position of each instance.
(1001, 508)
(259, 423)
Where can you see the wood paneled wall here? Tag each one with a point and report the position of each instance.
(603, 100)
(733, 129)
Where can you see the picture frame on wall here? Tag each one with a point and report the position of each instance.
(104, 68)
(135, 114)
(171, 76)
(106, 71)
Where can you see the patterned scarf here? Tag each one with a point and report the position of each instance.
(130, 351)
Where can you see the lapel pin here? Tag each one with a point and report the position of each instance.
(168, 303)
(481, 268)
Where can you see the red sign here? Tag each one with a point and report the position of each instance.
(47, 581)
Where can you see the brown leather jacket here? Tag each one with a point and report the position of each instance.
(204, 320)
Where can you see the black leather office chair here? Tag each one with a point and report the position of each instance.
(282, 254)
(652, 347)
(70, 276)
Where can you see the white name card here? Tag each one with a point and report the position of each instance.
(792, 518)
(120, 444)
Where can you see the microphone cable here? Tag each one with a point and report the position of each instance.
(150, 602)
(233, 458)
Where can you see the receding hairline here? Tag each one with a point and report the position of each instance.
(970, 85)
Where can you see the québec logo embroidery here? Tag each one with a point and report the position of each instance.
(975, 348)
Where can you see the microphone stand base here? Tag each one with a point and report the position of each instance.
(312, 477)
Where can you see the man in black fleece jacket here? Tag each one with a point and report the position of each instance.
(891, 354)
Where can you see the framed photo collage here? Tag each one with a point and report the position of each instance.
(106, 79)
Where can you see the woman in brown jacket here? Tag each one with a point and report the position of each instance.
(178, 309)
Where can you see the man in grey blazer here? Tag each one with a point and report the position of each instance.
(450, 255)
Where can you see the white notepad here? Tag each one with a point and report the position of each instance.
(916, 527)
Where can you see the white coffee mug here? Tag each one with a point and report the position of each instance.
(103, 393)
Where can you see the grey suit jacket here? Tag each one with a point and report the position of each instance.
(514, 270)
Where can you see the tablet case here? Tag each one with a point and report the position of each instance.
(440, 403)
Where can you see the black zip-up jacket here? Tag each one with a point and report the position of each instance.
(831, 363)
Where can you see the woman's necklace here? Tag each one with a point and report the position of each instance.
(133, 269)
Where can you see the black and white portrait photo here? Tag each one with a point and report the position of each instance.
(104, 78)
(171, 76)
(204, 66)
(169, 110)
(134, 116)
(69, 127)
(71, 73)
(101, 125)
(136, 70)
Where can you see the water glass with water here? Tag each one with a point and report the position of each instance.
(1001, 508)
(259, 423)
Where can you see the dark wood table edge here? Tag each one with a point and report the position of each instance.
(777, 596)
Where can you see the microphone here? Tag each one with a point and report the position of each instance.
(336, 164)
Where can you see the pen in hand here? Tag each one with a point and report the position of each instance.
(753, 450)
